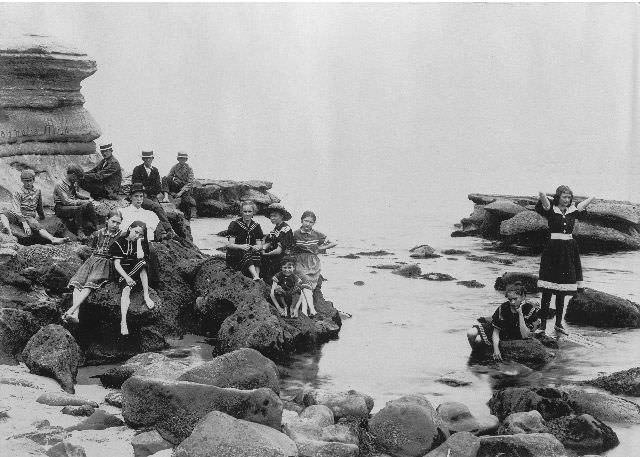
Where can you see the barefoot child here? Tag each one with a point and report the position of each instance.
(513, 320)
(96, 270)
(286, 285)
(129, 252)
(28, 207)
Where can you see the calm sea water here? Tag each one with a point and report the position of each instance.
(405, 333)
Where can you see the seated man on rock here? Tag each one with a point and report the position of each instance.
(155, 232)
(513, 320)
(27, 210)
(76, 211)
(179, 182)
(149, 177)
(104, 180)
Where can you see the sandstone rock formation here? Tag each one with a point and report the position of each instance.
(607, 225)
(43, 124)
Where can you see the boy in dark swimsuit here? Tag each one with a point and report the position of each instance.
(286, 285)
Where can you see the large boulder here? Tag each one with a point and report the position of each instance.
(523, 422)
(529, 352)
(219, 434)
(44, 125)
(242, 369)
(53, 352)
(235, 311)
(533, 444)
(602, 405)
(219, 198)
(592, 307)
(625, 382)
(549, 402)
(16, 328)
(461, 444)
(174, 407)
(583, 433)
(343, 404)
(504, 209)
(408, 427)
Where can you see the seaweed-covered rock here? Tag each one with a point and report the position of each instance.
(523, 422)
(411, 270)
(174, 407)
(626, 382)
(583, 433)
(408, 426)
(529, 352)
(242, 369)
(53, 352)
(218, 198)
(528, 280)
(602, 405)
(222, 435)
(592, 307)
(16, 328)
(549, 402)
(423, 251)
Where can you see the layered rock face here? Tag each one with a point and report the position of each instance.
(43, 124)
(606, 225)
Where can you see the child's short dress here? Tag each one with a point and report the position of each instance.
(306, 252)
(290, 286)
(96, 270)
(244, 234)
(560, 267)
(126, 251)
(508, 323)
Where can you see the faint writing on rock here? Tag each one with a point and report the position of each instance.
(46, 130)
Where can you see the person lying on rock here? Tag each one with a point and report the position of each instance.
(27, 209)
(515, 319)
(96, 270)
(278, 243)
(286, 287)
(245, 242)
(74, 210)
(105, 179)
(308, 242)
(149, 177)
(179, 182)
(129, 253)
(560, 268)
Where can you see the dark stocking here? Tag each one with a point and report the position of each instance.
(559, 308)
(545, 303)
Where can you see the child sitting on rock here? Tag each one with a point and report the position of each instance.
(28, 209)
(129, 253)
(96, 270)
(513, 320)
(286, 285)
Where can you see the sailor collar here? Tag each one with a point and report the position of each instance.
(570, 210)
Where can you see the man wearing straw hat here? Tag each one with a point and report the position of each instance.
(179, 182)
(149, 177)
(104, 180)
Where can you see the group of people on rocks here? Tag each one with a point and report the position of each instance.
(104, 181)
(560, 275)
(286, 259)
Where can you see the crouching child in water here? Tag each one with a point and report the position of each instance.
(286, 287)
(515, 319)
(130, 253)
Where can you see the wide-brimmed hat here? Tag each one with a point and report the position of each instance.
(106, 147)
(136, 187)
(183, 155)
(279, 207)
(147, 154)
(28, 173)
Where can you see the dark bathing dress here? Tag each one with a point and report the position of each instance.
(560, 267)
(96, 270)
(244, 234)
(127, 252)
(280, 235)
(508, 323)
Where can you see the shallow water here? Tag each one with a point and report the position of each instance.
(405, 333)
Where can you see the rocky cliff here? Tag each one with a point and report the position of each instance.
(43, 124)
(606, 225)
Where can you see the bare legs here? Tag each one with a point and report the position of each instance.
(474, 337)
(255, 272)
(54, 239)
(79, 296)
(307, 302)
(125, 300)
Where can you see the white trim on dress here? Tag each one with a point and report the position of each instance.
(555, 286)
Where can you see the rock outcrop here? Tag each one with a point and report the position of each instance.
(43, 124)
(219, 198)
(607, 225)
(592, 307)
(625, 382)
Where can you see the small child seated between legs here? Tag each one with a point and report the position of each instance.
(285, 287)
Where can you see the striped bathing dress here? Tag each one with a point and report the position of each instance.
(96, 270)
(305, 248)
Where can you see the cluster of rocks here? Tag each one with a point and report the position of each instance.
(606, 225)
(232, 406)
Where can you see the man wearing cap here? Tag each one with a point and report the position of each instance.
(180, 181)
(104, 180)
(149, 177)
(75, 211)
